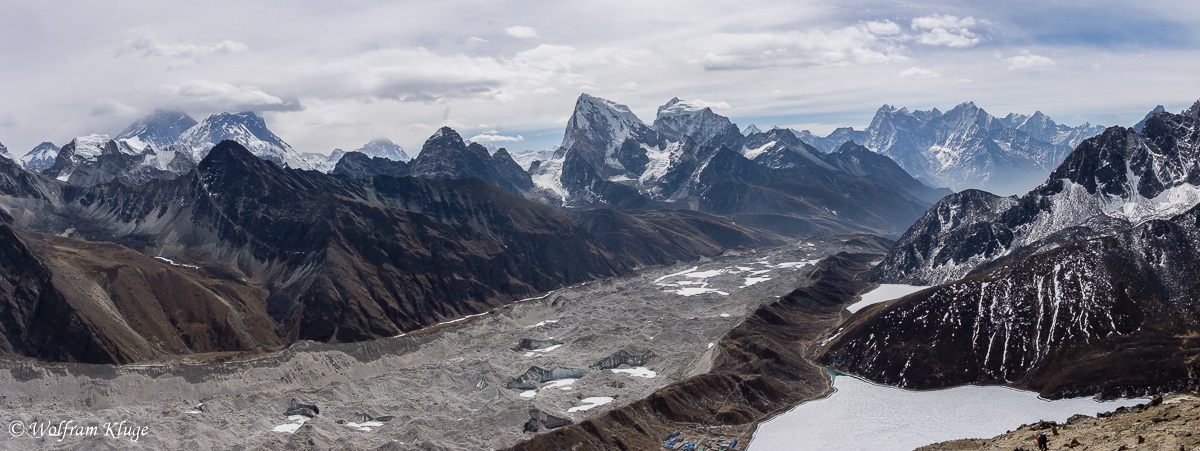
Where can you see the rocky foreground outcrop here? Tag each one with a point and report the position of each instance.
(1161, 425)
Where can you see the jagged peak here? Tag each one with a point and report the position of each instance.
(587, 100)
(670, 103)
(230, 153)
(750, 130)
(676, 106)
(1194, 111)
(442, 136)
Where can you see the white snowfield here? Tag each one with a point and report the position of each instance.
(883, 293)
(864, 416)
(589, 403)
(639, 371)
(291, 428)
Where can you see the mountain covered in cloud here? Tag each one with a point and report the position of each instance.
(1084, 285)
(160, 129)
(965, 147)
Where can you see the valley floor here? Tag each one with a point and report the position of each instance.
(429, 381)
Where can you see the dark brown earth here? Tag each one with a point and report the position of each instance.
(760, 370)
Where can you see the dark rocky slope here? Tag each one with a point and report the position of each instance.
(72, 300)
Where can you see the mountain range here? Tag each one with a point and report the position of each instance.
(965, 147)
(694, 158)
(1084, 285)
(270, 255)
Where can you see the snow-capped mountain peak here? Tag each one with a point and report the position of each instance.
(750, 130)
(603, 123)
(4, 153)
(41, 157)
(677, 119)
(384, 148)
(159, 129)
(247, 129)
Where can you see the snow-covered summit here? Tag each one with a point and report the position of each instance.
(750, 130)
(159, 129)
(677, 119)
(384, 148)
(41, 157)
(4, 153)
(247, 129)
(603, 123)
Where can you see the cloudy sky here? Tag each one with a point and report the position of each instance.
(337, 74)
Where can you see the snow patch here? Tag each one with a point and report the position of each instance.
(639, 371)
(534, 352)
(291, 428)
(884, 293)
(589, 403)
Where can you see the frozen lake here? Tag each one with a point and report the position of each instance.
(865, 416)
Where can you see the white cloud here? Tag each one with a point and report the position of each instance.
(148, 45)
(629, 86)
(919, 72)
(882, 28)
(112, 108)
(946, 30)
(721, 105)
(477, 40)
(863, 43)
(521, 31)
(215, 96)
(1026, 60)
(492, 136)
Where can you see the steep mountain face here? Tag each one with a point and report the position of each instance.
(677, 119)
(72, 300)
(1111, 315)
(965, 148)
(795, 201)
(446, 156)
(4, 153)
(383, 148)
(160, 129)
(249, 130)
(1066, 287)
(359, 165)
(1108, 183)
(41, 157)
(1142, 123)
